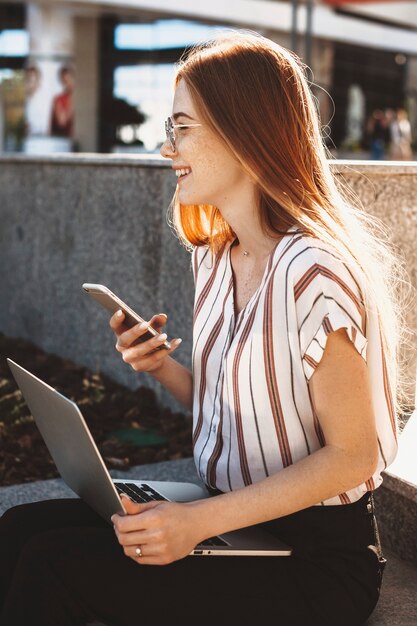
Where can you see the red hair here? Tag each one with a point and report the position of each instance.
(254, 95)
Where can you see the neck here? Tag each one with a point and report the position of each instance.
(252, 242)
(241, 214)
(255, 249)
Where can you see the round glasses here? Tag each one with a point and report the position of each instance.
(170, 131)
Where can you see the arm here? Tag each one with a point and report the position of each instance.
(144, 357)
(177, 379)
(341, 395)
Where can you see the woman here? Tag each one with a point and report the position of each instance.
(291, 388)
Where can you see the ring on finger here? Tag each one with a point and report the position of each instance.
(138, 551)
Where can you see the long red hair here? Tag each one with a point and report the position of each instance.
(254, 94)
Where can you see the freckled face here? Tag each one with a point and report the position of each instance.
(216, 176)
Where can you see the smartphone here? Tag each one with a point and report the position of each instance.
(112, 303)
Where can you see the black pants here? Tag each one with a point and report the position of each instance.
(61, 565)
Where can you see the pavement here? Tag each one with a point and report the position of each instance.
(398, 602)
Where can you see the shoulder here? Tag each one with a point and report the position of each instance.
(328, 294)
(309, 258)
(304, 250)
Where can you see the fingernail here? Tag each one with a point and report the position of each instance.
(178, 341)
(119, 313)
(162, 337)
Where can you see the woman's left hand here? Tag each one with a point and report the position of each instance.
(164, 531)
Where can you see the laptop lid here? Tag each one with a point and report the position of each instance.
(70, 443)
(75, 453)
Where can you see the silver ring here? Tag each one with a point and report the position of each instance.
(138, 551)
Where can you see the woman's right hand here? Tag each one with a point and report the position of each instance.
(144, 356)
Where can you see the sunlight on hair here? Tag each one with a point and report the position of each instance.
(255, 96)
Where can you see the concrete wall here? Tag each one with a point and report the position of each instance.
(87, 218)
(77, 219)
(389, 191)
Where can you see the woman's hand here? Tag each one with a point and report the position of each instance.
(164, 531)
(145, 356)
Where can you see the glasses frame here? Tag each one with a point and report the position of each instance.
(170, 131)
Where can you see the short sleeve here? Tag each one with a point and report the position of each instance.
(328, 297)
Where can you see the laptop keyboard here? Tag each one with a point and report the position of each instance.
(145, 493)
(138, 494)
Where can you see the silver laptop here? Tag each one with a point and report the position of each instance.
(80, 464)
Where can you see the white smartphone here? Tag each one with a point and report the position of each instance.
(112, 303)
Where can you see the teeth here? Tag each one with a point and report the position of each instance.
(182, 172)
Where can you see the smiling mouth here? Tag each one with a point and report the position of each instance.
(182, 173)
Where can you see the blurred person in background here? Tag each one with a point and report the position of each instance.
(378, 133)
(36, 111)
(400, 133)
(62, 113)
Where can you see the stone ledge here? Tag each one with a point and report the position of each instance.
(397, 604)
(354, 167)
(85, 158)
(396, 499)
(384, 168)
(401, 486)
(396, 509)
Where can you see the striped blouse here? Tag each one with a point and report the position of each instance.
(252, 413)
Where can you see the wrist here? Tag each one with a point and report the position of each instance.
(158, 371)
(201, 519)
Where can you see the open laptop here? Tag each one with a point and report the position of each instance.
(80, 464)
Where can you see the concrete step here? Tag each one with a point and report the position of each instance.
(397, 604)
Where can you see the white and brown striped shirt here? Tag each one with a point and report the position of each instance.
(252, 410)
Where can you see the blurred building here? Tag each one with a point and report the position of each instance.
(96, 75)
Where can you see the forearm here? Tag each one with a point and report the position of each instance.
(177, 379)
(320, 476)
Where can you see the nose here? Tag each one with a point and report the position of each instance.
(166, 150)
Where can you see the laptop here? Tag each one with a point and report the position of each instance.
(81, 466)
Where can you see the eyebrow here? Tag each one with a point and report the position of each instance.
(181, 114)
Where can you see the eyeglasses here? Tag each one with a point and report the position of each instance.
(170, 131)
